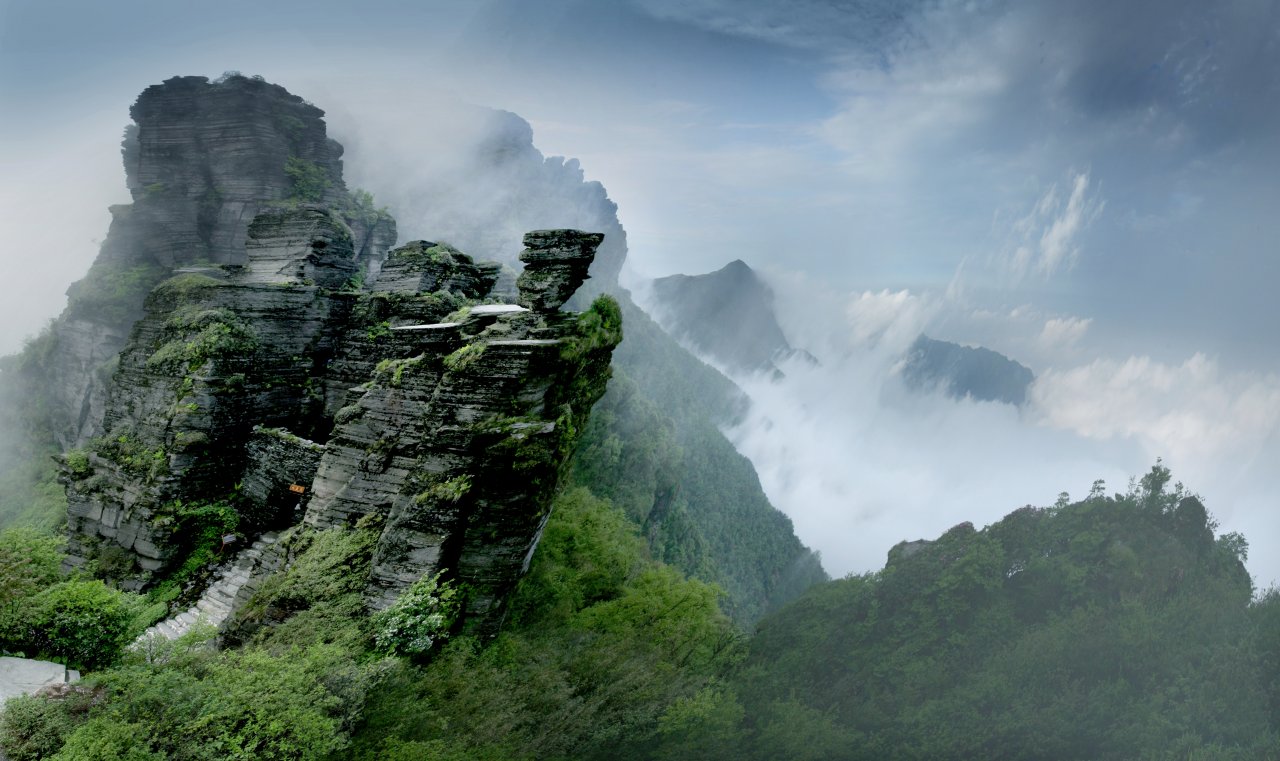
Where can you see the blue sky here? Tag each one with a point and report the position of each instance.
(873, 144)
(1088, 186)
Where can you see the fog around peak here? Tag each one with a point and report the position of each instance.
(860, 461)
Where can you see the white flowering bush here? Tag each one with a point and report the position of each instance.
(421, 616)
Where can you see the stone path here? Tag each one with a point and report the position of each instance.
(234, 584)
(22, 676)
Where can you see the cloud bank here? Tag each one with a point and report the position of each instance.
(860, 463)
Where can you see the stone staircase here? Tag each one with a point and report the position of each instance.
(234, 584)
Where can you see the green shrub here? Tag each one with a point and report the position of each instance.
(186, 286)
(77, 461)
(418, 619)
(601, 643)
(326, 565)
(132, 455)
(33, 728)
(462, 358)
(29, 562)
(113, 292)
(309, 181)
(361, 207)
(85, 622)
(198, 527)
(196, 336)
(247, 705)
(107, 739)
(30, 494)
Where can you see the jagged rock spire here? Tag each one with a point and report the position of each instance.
(555, 265)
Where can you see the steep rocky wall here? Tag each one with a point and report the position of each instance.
(446, 419)
(458, 450)
(202, 160)
(210, 156)
(420, 283)
(220, 351)
(279, 469)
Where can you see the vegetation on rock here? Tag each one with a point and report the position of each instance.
(308, 181)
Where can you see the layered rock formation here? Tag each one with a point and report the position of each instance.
(450, 432)
(202, 160)
(428, 267)
(555, 264)
(458, 448)
(264, 322)
(965, 372)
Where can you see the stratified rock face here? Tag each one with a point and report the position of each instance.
(309, 244)
(727, 315)
(421, 266)
(458, 448)
(555, 264)
(202, 161)
(216, 354)
(279, 469)
(965, 371)
(283, 374)
(210, 156)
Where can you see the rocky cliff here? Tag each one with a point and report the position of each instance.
(271, 367)
(202, 160)
(215, 368)
(455, 419)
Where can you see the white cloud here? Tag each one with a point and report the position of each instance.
(1063, 332)
(1045, 239)
(1190, 412)
(859, 463)
(891, 318)
(907, 117)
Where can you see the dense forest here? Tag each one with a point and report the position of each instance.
(1113, 627)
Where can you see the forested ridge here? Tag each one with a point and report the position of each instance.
(1112, 627)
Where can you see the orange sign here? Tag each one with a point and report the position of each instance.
(297, 488)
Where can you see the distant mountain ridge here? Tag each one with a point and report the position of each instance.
(965, 371)
(726, 315)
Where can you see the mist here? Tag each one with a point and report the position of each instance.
(860, 463)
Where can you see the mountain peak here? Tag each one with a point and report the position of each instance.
(966, 371)
(726, 314)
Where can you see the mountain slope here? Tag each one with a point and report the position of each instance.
(655, 448)
(1111, 628)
